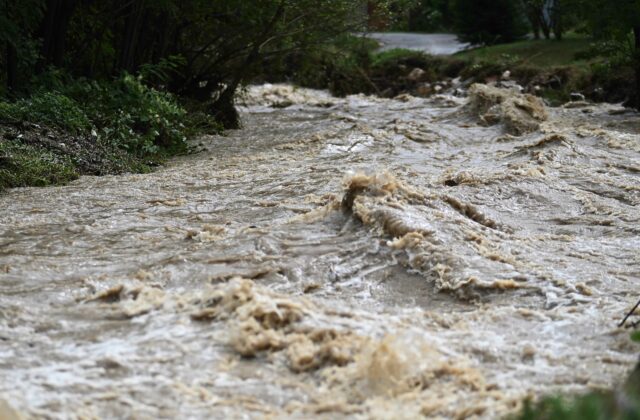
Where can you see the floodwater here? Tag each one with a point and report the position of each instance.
(358, 257)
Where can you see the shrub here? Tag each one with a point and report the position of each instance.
(132, 115)
(490, 21)
(125, 113)
(49, 108)
(401, 56)
(340, 66)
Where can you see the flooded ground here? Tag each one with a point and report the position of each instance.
(358, 257)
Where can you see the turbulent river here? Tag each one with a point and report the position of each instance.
(337, 257)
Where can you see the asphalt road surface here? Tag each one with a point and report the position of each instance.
(438, 44)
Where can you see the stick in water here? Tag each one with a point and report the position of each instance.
(629, 314)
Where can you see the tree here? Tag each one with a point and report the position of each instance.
(431, 15)
(617, 21)
(17, 20)
(535, 10)
(490, 21)
(200, 49)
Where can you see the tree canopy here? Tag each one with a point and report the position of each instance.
(490, 21)
(200, 49)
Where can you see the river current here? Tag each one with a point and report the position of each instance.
(337, 257)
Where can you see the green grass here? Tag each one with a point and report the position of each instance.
(22, 165)
(395, 55)
(542, 53)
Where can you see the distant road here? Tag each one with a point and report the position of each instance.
(437, 44)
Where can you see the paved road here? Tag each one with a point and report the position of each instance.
(438, 44)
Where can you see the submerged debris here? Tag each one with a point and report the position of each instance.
(261, 321)
(520, 113)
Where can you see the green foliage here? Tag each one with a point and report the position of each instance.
(400, 56)
(431, 16)
(540, 53)
(47, 108)
(339, 66)
(125, 113)
(490, 21)
(96, 121)
(614, 52)
(18, 20)
(131, 115)
(23, 165)
(607, 19)
(623, 403)
(162, 72)
(588, 407)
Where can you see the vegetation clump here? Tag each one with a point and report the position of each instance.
(88, 127)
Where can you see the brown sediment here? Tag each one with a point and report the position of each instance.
(209, 233)
(395, 209)
(263, 321)
(129, 302)
(8, 413)
(471, 212)
(519, 113)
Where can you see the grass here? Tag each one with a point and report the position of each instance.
(542, 53)
(395, 55)
(23, 165)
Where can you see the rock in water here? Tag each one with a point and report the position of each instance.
(520, 113)
(416, 75)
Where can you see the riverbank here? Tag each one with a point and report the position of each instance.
(84, 127)
(79, 128)
(550, 69)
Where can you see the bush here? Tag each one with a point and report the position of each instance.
(339, 66)
(72, 127)
(131, 115)
(490, 21)
(48, 108)
(397, 56)
(592, 406)
(124, 113)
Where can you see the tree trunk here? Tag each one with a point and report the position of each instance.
(223, 107)
(557, 20)
(533, 15)
(636, 96)
(224, 110)
(546, 30)
(12, 68)
(54, 30)
(129, 45)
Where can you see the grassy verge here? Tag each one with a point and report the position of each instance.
(540, 53)
(78, 127)
(24, 165)
(553, 69)
(549, 68)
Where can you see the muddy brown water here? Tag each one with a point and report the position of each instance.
(358, 257)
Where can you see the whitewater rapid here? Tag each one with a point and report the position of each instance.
(356, 257)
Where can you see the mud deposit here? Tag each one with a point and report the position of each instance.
(358, 257)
